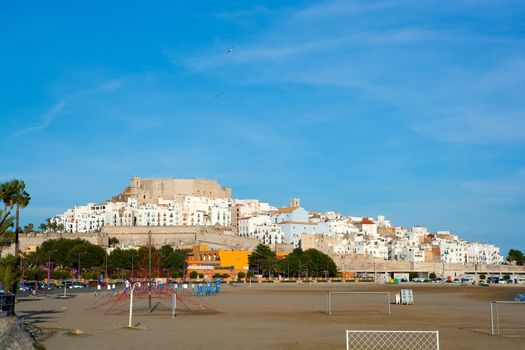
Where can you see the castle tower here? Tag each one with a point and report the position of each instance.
(295, 202)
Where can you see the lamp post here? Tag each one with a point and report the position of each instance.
(132, 275)
(49, 265)
(79, 271)
(149, 270)
(107, 278)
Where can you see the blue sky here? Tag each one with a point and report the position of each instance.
(410, 109)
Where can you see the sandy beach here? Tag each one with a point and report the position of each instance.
(265, 316)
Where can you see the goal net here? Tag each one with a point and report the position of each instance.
(357, 302)
(507, 318)
(392, 340)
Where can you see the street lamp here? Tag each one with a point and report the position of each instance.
(79, 254)
(132, 275)
(49, 265)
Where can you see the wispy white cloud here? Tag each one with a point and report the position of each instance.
(252, 11)
(415, 69)
(341, 8)
(48, 117)
(45, 120)
(509, 190)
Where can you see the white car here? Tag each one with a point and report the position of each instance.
(73, 284)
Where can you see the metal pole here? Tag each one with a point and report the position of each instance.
(173, 305)
(149, 270)
(49, 268)
(132, 276)
(491, 319)
(497, 317)
(131, 307)
(329, 303)
(107, 277)
(437, 340)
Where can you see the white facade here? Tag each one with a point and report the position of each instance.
(262, 228)
(353, 235)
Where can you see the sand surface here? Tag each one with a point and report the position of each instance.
(276, 316)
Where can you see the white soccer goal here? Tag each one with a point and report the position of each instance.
(507, 318)
(344, 298)
(392, 340)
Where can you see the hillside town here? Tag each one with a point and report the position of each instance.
(200, 202)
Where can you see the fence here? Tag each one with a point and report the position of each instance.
(329, 299)
(513, 323)
(392, 340)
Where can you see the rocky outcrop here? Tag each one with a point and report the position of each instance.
(14, 336)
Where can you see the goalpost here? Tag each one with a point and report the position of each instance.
(514, 321)
(391, 340)
(385, 298)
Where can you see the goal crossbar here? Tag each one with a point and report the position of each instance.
(329, 299)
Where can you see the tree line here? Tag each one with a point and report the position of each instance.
(72, 258)
(297, 264)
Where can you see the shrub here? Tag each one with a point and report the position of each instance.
(201, 275)
(60, 274)
(194, 274)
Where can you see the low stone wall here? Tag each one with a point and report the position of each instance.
(366, 264)
(136, 236)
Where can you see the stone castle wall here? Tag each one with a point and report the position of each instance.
(150, 190)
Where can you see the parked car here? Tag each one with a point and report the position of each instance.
(34, 285)
(50, 286)
(73, 284)
(23, 288)
(95, 283)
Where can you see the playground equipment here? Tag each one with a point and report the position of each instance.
(186, 297)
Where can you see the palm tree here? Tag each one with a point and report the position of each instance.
(20, 199)
(6, 223)
(8, 276)
(7, 190)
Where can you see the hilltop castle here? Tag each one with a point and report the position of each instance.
(148, 191)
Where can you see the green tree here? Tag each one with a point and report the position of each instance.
(8, 272)
(20, 199)
(432, 276)
(6, 234)
(241, 275)
(311, 262)
(516, 256)
(113, 241)
(262, 259)
(7, 191)
(194, 275)
(28, 228)
(64, 253)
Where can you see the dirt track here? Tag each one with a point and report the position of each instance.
(280, 316)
